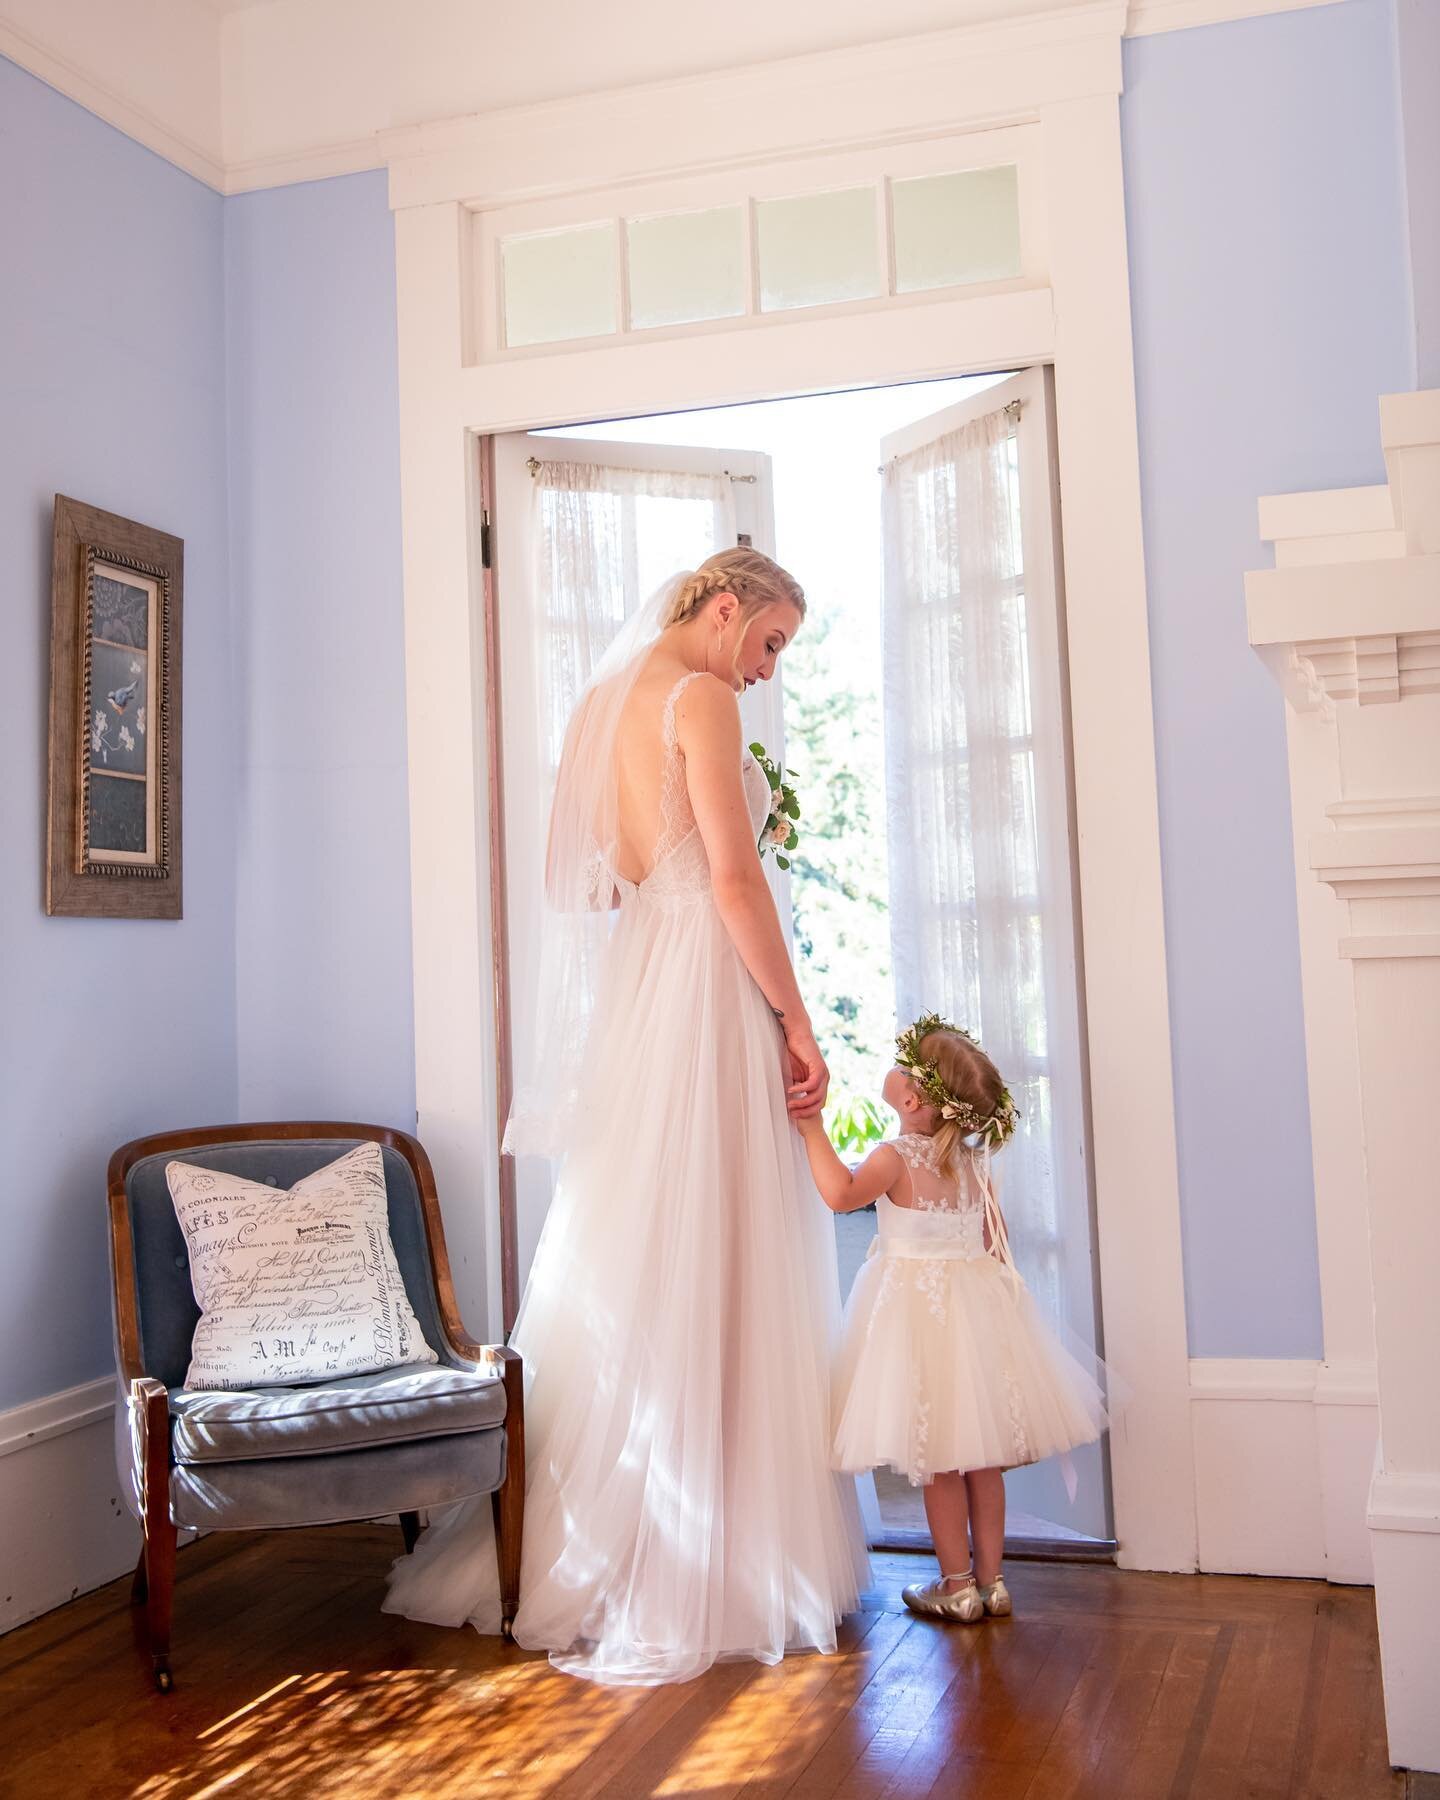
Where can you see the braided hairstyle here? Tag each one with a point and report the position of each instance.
(751, 577)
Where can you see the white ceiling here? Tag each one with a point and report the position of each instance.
(260, 93)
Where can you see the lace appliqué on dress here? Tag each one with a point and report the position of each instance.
(933, 1280)
(679, 868)
(1017, 1421)
(920, 1439)
(917, 1151)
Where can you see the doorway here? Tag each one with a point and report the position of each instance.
(802, 479)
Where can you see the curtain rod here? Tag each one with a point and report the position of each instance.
(534, 465)
(1010, 410)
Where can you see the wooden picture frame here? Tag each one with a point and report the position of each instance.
(113, 817)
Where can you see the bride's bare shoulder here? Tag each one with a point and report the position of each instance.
(707, 707)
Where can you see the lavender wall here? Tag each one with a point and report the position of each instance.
(111, 371)
(225, 370)
(1265, 206)
(1417, 56)
(323, 881)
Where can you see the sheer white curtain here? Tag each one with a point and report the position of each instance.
(605, 538)
(969, 894)
(602, 539)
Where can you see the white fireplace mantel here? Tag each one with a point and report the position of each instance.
(1349, 622)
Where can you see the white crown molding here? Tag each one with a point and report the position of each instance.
(986, 74)
(262, 172)
(1147, 17)
(70, 45)
(109, 102)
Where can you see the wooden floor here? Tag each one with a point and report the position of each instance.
(290, 1682)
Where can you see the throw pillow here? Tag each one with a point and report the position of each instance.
(297, 1284)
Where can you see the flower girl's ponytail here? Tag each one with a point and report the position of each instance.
(971, 1077)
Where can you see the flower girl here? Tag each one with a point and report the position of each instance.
(947, 1371)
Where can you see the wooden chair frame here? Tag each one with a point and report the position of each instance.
(154, 1584)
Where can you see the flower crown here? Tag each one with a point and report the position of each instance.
(995, 1128)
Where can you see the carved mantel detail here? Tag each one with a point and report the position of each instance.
(1367, 669)
(1351, 610)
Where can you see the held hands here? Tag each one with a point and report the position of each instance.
(809, 1079)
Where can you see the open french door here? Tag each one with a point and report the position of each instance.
(983, 895)
(582, 533)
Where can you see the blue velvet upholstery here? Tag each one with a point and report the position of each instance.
(327, 1490)
(358, 1412)
(401, 1440)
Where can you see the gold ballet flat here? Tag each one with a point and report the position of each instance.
(963, 1606)
(995, 1597)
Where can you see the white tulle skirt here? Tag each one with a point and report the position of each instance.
(677, 1331)
(945, 1364)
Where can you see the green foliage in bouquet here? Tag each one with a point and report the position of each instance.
(779, 832)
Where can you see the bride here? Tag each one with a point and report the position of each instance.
(678, 1320)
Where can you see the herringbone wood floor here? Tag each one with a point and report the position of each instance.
(290, 1682)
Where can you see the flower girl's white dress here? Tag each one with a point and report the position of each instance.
(946, 1361)
(677, 1328)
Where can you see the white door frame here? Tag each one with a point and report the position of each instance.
(1031, 391)
(1063, 79)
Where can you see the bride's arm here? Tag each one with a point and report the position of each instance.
(707, 722)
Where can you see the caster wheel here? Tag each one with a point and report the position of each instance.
(507, 1631)
(164, 1680)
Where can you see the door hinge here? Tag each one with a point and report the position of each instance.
(484, 537)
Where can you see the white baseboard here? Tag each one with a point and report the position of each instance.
(1404, 1516)
(1284, 1452)
(1284, 1458)
(67, 1529)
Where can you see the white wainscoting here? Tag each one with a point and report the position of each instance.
(67, 1529)
(1284, 1456)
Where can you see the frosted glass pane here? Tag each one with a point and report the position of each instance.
(559, 284)
(686, 266)
(952, 229)
(817, 248)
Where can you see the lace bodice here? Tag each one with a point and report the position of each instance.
(680, 869)
(944, 1206)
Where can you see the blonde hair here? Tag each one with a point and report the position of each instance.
(753, 578)
(971, 1077)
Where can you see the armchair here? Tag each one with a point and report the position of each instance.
(357, 1447)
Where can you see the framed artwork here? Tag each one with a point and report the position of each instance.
(113, 823)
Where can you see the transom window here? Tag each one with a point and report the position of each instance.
(917, 220)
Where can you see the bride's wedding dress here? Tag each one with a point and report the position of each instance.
(677, 1326)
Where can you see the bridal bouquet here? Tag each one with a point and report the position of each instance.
(779, 832)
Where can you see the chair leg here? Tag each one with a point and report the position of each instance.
(155, 1577)
(410, 1529)
(509, 1498)
(509, 1508)
(159, 1576)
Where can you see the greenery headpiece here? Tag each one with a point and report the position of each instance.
(994, 1128)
